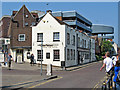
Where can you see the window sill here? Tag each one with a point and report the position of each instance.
(56, 40)
(39, 41)
(56, 59)
(39, 60)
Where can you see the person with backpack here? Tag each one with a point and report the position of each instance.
(116, 78)
(108, 63)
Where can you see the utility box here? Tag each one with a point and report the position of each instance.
(49, 70)
(62, 64)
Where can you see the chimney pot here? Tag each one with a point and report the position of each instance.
(49, 11)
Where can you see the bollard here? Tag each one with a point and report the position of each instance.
(49, 70)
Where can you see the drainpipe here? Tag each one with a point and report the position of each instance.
(15, 22)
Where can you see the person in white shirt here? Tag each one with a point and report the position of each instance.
(107, 62)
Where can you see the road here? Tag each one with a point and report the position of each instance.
(86, 77)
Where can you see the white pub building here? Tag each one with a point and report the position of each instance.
(57, 43)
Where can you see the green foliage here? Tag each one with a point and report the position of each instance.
(106, 46)
(99, 57)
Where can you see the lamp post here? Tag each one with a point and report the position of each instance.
(41, 55)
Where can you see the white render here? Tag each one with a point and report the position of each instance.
(47, 26)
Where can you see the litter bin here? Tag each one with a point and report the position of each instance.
(49, 70)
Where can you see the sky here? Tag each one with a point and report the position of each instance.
(97, 12)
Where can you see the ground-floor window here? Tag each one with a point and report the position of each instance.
(74, 54)
(71, 54)
(47, 55)
(39, 55)
(68, 54)
(87, 56)
(56, 55)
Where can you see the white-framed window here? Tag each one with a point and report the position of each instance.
(56, 36)
(21, 37)
(39, 55)
(39, 37)
(56, 55)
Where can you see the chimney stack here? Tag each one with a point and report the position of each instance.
(49, 11)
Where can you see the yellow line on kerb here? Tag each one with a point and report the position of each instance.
(83, 66)
(45, 82)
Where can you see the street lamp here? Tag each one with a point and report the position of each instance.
(41, 55)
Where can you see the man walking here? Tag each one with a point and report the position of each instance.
(9, 61)
(108, 63)
(32, 59)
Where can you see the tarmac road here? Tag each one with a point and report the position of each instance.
(88, 76)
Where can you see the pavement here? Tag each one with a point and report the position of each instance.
(27, 66)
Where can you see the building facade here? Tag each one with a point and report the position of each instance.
(75, 20)
(4, 26)
(20, 33)
(102, 32)
(54, 42)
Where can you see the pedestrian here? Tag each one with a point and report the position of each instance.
(6, 57)
(118, 57)
(32, 59)
(114, 59)
(116, 79)
(9, 60)
(107, 62)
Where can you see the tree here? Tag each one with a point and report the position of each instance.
(106, 46)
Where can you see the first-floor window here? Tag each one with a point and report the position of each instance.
(56, 36)
(56, 54)
(21, 37)
(39, 37)
(39, 55)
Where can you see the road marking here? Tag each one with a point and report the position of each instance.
(45, 82)
(83, 66)
(21, 84)
(101, 81)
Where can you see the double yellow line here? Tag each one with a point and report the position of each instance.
(100, 82)
(31, 82)
(84, 66)
(45, 82)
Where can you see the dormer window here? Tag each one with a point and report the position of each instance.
(26, 16)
